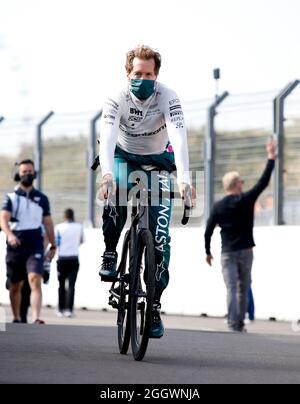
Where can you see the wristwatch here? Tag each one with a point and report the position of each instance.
(53, 247)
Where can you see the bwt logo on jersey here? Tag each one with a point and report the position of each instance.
(135, 111)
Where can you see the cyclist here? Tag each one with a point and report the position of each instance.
(138, 127)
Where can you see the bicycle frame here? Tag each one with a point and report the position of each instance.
(134, 296)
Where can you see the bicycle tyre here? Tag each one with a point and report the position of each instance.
(123, 319)
(142, 297)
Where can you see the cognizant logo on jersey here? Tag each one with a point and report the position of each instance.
(134, 118)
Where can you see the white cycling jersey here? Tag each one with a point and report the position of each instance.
(144, 127)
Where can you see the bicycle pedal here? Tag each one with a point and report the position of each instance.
(108, 279)
(126, 278)
(113, 304)
(115, 291)
(140, 293)
(141, 306)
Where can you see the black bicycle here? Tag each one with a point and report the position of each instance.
(132, 293)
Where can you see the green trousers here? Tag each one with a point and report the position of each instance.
(128, 167)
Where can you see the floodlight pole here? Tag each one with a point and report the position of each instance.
(278, 130)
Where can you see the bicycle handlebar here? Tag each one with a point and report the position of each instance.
(187, 208)
(96, 163)
(173, 195)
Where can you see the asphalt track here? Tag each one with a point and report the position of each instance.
(88, 354)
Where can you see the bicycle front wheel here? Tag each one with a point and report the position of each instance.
(123, 320)
(142, 294)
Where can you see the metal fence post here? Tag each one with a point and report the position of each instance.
(38, 152)
(210, 154)
(278, 127)
(91, 174)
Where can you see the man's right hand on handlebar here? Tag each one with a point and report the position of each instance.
(107, 185)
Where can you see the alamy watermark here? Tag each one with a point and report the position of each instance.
(162, 185)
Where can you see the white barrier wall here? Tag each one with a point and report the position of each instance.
(194, 287)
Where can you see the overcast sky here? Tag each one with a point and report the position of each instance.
(66, 55)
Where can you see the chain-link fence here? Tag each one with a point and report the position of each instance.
(65, 164)
(65, 141)
(243, 124)
(195, 117)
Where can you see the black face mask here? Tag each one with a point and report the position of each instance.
(27, 180)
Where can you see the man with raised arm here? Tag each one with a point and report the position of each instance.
(235, 215)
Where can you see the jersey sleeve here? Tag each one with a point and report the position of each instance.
(109, 131)
(177, 134)
(262, 183)
(45, 205)
(7, 204)
(210, 226)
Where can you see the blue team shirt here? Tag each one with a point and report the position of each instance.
(27, 213)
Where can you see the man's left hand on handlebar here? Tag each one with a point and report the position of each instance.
(188, 192)
(106, 183)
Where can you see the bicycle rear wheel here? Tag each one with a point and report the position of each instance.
(123, 319)
(142, 294)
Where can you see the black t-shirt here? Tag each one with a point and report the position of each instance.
(235, 215)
